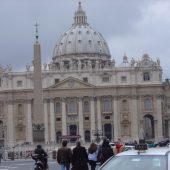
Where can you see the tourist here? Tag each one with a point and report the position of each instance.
(64, 156)
(80, 157)
(105, 151)
(92, 155)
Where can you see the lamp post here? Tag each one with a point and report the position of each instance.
(97, 134)
(4, 129)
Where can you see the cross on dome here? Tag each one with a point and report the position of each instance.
(36, 31)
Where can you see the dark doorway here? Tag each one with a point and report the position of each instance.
(149, 126)
(87, 136)
(108, 131)
(73, 132)
(58, 136)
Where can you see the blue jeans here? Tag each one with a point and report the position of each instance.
(65, 166)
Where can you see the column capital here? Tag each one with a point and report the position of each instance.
(159, 96)
(98, 97)
(92, 97)
(51, 100)
(80, 98)
(116, 97)
(134, 97)
(28, 101)
(9, 102)
(63, 99)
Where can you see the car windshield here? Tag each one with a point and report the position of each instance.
(137, 162)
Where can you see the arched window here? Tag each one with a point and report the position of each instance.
(20, 117)
(0, 110)
(124, 105)
(148, 103)
(106, 103)
(87, 136)
(1, 130)
(20, 109)
(86, 107)
(57, 108)
(146, 76)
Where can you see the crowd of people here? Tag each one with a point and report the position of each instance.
(80, 157)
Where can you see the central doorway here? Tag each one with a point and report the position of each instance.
(73, 132)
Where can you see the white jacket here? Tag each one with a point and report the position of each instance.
(93, 156)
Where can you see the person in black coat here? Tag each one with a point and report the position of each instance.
(105, 151)
(79, 158)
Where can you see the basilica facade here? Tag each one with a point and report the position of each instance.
(83, 93)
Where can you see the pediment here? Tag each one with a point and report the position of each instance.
(71, 83)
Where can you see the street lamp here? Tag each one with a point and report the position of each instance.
(5, 135)
(97, 134)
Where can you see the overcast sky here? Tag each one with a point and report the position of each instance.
(133, 27)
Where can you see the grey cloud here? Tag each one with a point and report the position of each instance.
(131, 26)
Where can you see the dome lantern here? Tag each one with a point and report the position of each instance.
(80, 17)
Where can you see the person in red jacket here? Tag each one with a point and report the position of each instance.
(119, 146)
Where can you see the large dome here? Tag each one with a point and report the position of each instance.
(81, 39)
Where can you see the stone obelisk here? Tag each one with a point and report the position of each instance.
(38, 125)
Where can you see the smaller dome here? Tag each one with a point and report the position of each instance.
(125, 62)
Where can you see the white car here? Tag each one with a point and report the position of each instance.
(150, 159)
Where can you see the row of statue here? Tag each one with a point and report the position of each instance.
(81, 65)
(75, 64)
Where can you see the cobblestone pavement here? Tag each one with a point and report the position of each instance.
(23, 164)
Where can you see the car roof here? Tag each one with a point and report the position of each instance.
(149, 151)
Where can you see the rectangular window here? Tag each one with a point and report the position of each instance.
(146, 76)
(123, 79)
(86, 118)
(57, 81)
(58, 119)
(19, 83)
(58, 107)
(105, 79)
(86, 107)
(72, 107)
(106, 105)
(85, 79)
(107, 117)
(148, 104)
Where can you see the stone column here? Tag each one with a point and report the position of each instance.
(64, 118)
(134, 119)
(92, 110)
(116, 119)
(46, 122)
(99, 117)
(159, 117)
(10, 124)
(29, 136)
(52, 121)
(81, 120)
